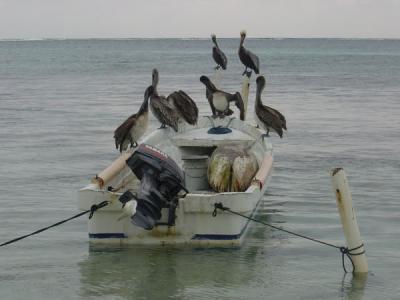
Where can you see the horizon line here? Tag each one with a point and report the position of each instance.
(192, 38)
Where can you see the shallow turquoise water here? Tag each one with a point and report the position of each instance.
(61, 100)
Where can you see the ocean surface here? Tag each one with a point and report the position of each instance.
(60, 101)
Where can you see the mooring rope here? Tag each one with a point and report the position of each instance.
(92, 210)
(343, 250)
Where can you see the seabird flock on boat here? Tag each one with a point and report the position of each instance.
(180, 107)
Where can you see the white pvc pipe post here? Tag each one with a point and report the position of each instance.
(348, 218)
(357, 286)
(245, 92)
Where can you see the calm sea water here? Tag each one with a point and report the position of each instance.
(61, 100)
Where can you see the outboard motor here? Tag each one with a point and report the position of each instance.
(161, 180)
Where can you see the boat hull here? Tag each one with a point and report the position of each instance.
(194, 222)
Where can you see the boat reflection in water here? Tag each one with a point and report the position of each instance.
(138, 272)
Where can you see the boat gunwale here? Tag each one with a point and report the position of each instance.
(104, 176)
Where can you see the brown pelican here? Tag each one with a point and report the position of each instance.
(218, 55)
(249, 59)
(185, 106)
(267, 117)
(209, 96)
(161, 108)
(220, 99)
(130, 131)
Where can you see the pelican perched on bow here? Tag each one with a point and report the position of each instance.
(267, 117)
(132, 129)
(248, 58)
(220, 100)
(161, 108)
(218, 55)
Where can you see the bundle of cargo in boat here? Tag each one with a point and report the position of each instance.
(231, 169)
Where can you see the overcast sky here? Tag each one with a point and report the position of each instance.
(199, 18)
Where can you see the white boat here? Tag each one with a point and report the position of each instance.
(190, 148)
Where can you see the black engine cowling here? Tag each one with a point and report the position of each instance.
(161, 180)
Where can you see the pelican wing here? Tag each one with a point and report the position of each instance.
(209, 97)
(185, 106)
(254, 61)
(164, 111)
(249, 59)
(237, 98)
(209, 94)
(220, 57)
(121, 134)
(281, 117)
(240, 105)
(270, 119)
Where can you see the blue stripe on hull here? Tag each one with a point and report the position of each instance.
(107, 236)
(217, 237)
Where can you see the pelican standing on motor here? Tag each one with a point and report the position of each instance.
(161, 108)
(218, 55)
(221, 99)
(267, 117)
(248, 58)
(185, 106)
(132, 129)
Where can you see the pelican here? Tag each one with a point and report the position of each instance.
(249, 59)
(218, 55)
(185, 106)
(220, 99)
(132, 129)
(267, 117)
(161, 108)
(209, 96)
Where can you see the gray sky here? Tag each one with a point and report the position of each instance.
(199, 18)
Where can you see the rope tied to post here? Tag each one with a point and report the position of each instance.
(92, 210)
(343, 250)
(348, 253)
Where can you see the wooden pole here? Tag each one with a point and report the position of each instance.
(349, 220)
(357, 286)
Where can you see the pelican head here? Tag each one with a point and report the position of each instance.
(205, 80)
(260, 81)
(214, 38)
(242, 37)
(155, 78)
